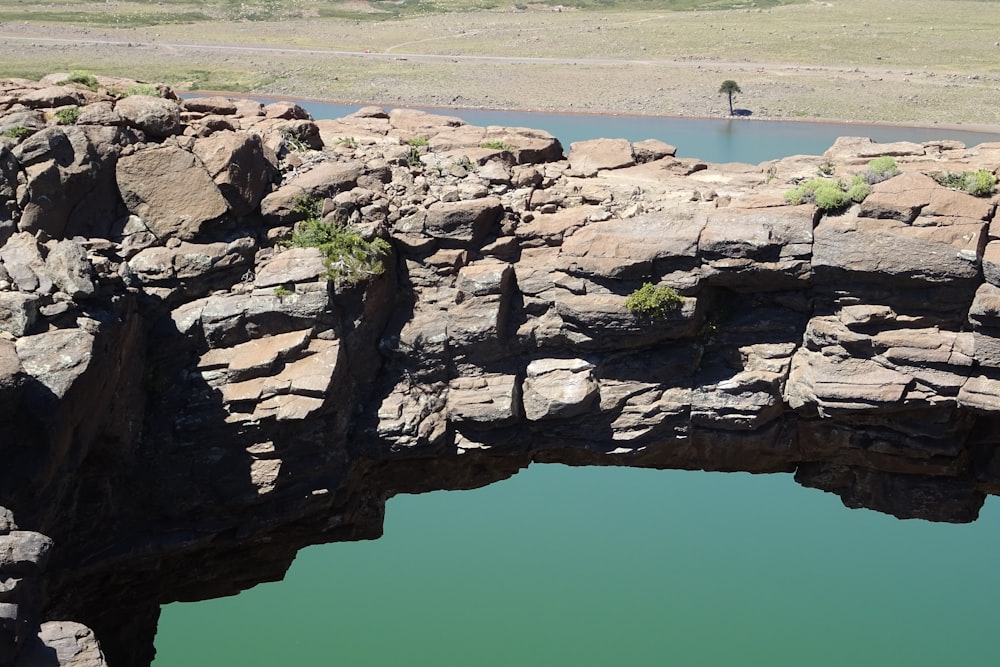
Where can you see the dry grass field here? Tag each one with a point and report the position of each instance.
(903, 61)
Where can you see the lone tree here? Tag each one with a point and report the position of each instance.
(729, 87)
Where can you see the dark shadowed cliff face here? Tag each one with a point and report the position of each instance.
(186, 400)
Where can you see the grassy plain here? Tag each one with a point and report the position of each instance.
(908, 61)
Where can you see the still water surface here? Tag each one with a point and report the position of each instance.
(584, 567)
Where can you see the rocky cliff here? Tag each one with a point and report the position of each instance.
(188, 395)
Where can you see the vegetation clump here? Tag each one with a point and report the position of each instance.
(881, 169)
(979, 183)
(348, 257)
(83, 78)
(67, 115)
(17, 132)
(654, 301)
(829, 194)
(496, 145)
(146, 89)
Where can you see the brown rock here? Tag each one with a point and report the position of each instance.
(528, 146)
(53, 96)
(652, 149)
(286, 111)
(326, 180)
(239, 167)
(877, 249)
(759, 248)
(589, 157)
(633, 248)
(210, 105)
(155, 116)
(490, 399)
(170, 190)
(558, 388)
(464, 223)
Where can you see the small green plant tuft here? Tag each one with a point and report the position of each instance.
(497, 145)
(417, 141)
(67, 115)
(309, 207)
(826, 193)
(979, 183)
(653, 300)
(146, 89)
(17, 132)
(348, 257)
(413, 157)
(881, 169)
(826, 169)
(83, 78)
(281, 291)
(346, 142)
(859, 189)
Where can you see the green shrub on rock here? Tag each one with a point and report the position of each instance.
(653, 300)
(17, 132)
(979, 183)
(83, 78)
(881, 169)
(146, 89)
(859, 189)
(829, 194)
(67, 115)
(826, 193)
(349, 258)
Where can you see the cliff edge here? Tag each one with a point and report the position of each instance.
(228, 331)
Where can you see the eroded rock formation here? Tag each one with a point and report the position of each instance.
(185, 401)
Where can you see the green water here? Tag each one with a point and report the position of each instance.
(602, 566)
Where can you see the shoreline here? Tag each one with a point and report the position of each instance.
(956, 127)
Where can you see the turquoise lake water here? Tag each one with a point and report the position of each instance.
(584, 567)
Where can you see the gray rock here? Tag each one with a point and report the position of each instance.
(62, 644)
(155, 116)
(56, 358)
(24, 553)
(68, 266)
(18, 312)
(22, 260)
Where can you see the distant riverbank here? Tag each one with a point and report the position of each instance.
(915, 63)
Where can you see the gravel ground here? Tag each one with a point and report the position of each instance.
(798, 62)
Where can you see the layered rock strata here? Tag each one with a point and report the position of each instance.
(186, 401)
